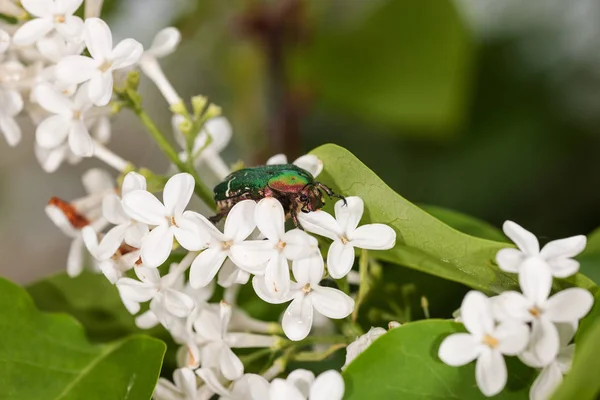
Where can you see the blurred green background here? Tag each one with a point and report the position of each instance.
(487, 107)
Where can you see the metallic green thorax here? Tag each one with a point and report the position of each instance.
(294, 187)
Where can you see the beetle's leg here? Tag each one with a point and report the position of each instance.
(229, 203)
(219, 216)
(295, 220)
(330, 192)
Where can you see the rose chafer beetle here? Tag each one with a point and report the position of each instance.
(294, 187)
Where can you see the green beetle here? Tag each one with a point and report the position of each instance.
(294, 187)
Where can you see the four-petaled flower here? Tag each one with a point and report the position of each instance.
(345, 234)
(51, 15)
(301, 385)
(486, 342)
(169, 220)
(105, 59)
(557, 254)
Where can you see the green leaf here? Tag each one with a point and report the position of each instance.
(582, 382)
(403, 364)
(465, 223)
(400, 63)
(590, 258)
(46, 356)
(589, 320)
(423, 242)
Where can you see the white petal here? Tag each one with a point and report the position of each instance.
(144, 207)
(135, 234)
(12, 102)
(340, 259)
(564, 248)
(80, 142)
(510, 260)
(212, 381)
(512, 305)
(126, 53)
(52, 100)
(270, 218)
(190, 234)
(38, 8)
(546, 383)
(277, 275)
(281, 389)
(535, 280)
(11, 130)
(328, 386)
(260, 287)
(52, 131)
(476, 313)
(330, 302)
(231, 366)
(165, 42)
(69, 7)
(219, 130)
(490, 372)
(156, 247)
(112, 209)
(310, 163)
(459, 349)
(185, 379)
(297, 319)
(230, 275)
(208, 325)
(71, 29)
(76, 69)
(90, 238)
(373, 237)
(302, 379)
(252, 255)
(240, 221)
(177, 303)
(568, 305)
(512, 336)
(563, 267)
(298, 244)
(205, 267)
(111, 242)
(75, 257)
(135, 290)
(525, 240)
(309, 269)
(321, 223)
(100, 88)
(32, 30)
(98, 38)
(348, 214)
(277, 159)
(49, 159)
(177, 193)
(148, 275)
(133, 181)
(543, 342)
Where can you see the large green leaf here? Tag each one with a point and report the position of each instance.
(423, 242)
(403, 364)
(46, 356)
(465, 223)
(399, 63)
(582, 382)
(590, 258)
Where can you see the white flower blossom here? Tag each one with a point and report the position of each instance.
(238, 226)
(270, 257)
(105, 59)
(111, 262)
(183, 387)
(51, 15)
(169, 220)
(557, 254)
(11, 104)
(308, 162)
(361, 344)
(301, 385)
(486, 342)
(247, 387)
(306, 295)
(543, 311)
(346, 234)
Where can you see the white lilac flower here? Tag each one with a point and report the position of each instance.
(183, 387)
(107, 252)
(55, 48)
(270, 257)
(72, 217)
(486, 342)
(247, 387)
(536, 307)
(308, 162)
(551, 376)
(165, 42)
(301, 385)
(113, 211)
(4, 41)
(306, 295)
(557, 254)
(361, 344)
(11, 104)
(105, 59)
(238, 226)
(165, 300)
(346, 234)
(169, 219)
(68, 121)
(50, 15)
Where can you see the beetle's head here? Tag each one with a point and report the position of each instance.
(311, 198)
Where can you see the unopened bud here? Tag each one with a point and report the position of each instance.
(185, 127)
(198, 104)
(179, 108)
(212, 111)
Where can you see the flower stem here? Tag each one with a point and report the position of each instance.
(110, 158)
(201, 190)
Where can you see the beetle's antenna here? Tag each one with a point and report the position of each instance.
(330, 192)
